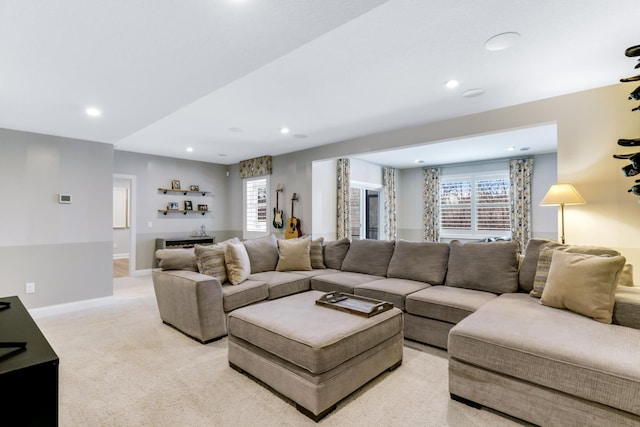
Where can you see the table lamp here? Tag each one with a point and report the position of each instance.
(562, 194)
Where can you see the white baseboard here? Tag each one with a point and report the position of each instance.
(121, 256)
(69, 307)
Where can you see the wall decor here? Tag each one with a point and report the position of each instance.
(188, 206)
(203, 208)
(172, 206)
(194, 187)
(175, 184)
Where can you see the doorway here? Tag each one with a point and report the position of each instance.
(124, 225)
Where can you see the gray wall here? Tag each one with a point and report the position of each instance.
(65, 249)
(153, 172)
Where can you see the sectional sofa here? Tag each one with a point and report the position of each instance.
(568, 355)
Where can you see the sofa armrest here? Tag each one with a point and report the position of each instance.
(626, 311)
(191, 302)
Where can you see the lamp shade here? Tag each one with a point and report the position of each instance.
(562, 194)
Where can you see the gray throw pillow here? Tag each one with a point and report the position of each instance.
(529, 264)
(490, 267)
(368, 257)
(263, 253)
(334, 253)
(421, 261)
(177, 259)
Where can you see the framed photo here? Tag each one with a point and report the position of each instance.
(203, 208)
(172, 206)
(187, 205)
(175, 184)
(194, 187)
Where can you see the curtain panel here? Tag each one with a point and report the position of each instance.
(390, 225)
(431, 205)
(520, 177)
(343, 179)
(255, 167)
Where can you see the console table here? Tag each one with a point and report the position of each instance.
(181, 242)
(28, 373)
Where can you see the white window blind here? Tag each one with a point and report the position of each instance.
(256, 204)
(475, 205)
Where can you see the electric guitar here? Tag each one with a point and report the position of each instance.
(293, 223)
(278, 221)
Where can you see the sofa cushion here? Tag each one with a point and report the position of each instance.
(490, 267)
(246, 293)
(294, 254)
(210, 260)
(516, 336)
(393, 290)
(237, 261)
(583, 283)
(282, 284)
(177, 259)
(626, 276)
(529, 263)
(544, 261)
(341, 282)
(334, 253)
(263, 253)
(422, 261)
(626, 310)
(445, 303)
(368, 257)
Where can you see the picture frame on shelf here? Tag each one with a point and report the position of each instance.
(203, 208)
(188, 206)
(172, 206)
(175, 184)
(194, 187)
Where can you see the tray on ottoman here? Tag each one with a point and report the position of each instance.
(313, 356)
(355, 304)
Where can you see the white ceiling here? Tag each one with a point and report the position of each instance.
(171, 74)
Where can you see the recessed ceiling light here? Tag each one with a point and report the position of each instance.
(511, 148)
(502, 41)
(452, 83)
(93, 112)
(472, 93)
(190, 149)
(284, 131)
(418, 161)
(525, 149)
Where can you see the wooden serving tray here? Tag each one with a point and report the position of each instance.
(354, 304)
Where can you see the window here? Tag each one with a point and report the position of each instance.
(256, 203)
(364, 212)
(475, 205)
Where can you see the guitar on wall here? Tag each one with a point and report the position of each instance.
(278, 216)
(293, 223)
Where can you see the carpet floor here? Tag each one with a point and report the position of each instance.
(121, 366)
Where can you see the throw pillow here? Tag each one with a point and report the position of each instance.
(626, 276)
(334, 253)
(368, 257)
(582, 283)
(177, 259)
(237, 262)
(486, 266)
(421, 261)
(528, 266)
(263, 253)
(210, 261)
(544, 261)
(294, 255)
(316, 253)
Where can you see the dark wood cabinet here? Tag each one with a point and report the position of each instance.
(28, 376)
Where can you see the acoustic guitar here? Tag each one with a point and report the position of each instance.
(293, 223)
(278, 216)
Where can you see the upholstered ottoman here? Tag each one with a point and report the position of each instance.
(312, 354)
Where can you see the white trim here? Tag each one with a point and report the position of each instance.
(69, 307)
(121, 256)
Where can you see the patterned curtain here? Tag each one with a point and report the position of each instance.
(255, 167)
(390, 226)
(520, 175)
(344, 223)
(431, 209)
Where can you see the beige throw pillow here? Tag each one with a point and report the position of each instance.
(237, 261)
(294, 255)
(583, 283)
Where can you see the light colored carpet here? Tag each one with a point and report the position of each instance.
(121, 366)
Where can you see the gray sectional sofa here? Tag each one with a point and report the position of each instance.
(508, 351)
